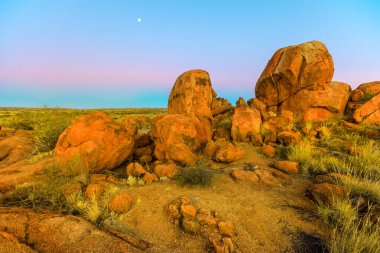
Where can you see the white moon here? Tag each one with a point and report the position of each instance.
(139, 20)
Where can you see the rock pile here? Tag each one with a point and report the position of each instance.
(201, 221)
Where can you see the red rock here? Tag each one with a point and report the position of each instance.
(327, 193)
(365, 91)
(182, 154)
(143, 140)
(289, 137)
(100, 142)
(166, 170)
(292, 69)
(369, 111)
(287, 166)
(245, 122)
(226, 229)
(241, 103)
(120, 203)
(135, 170)
(130, 126)
(269, 151)
(229, 153)
(245, 176)
(149, 178)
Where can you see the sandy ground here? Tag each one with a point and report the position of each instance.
(267, 218)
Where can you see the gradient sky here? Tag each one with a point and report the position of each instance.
(92, 53)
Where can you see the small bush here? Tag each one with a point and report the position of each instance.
(198, 175)
(48, 129)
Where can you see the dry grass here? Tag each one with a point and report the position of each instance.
(48, 193)
(350, 232)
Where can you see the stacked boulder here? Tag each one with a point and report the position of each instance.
(189, 123)
(365, 103)
(298, 79)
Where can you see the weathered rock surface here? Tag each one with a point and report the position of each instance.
(327, 193)
(174, 129)
(220, 105)
(99, 141)
(245, 122)
(298, 79)
(192, 95)
(287, 166)
(8, 244)
(318, 102)
(47, 232)
(292, 69)
(365, 91)
(369, 112)
(229, 153)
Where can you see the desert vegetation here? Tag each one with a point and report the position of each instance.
(283, 172)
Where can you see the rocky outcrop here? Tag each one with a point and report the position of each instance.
(100, 142)
(369, 112)
(222, 151)
(318, 102)
(298, 79)
(365, 91)
(192, 95)
(15, 146)
(47, 232)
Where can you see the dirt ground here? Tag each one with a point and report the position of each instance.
(267, 218)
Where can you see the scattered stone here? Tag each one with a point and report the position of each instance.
(150, 178)
(213, 146)
(166, 170)
(269, 151)
(283, 121)
(120, 203)
(287, 166)
(245, 176)
(135, 170)
(289, 137)
(229, 153)
(226, 229)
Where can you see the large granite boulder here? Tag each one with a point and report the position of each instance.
(298, 79)
(101, 142)
(192, 95)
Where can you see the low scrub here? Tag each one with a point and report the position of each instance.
(197, 175)
(48, 193)
(350, 232)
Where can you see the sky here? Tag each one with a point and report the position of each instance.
(128, 53)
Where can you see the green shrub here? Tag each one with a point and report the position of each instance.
(48, 129)
(197, 175)
(350, 232)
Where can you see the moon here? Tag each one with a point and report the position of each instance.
(139, 20)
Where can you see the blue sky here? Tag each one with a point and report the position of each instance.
(92, 53)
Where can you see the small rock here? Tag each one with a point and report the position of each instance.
(226, 229)
(135, 170)
(121, 203)
(166, 170)
(287, 166)
(143, 140)
(190, 226)
(269, 151)
(149, 178)
(188, 211)
(245, 175)
(229, 153)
